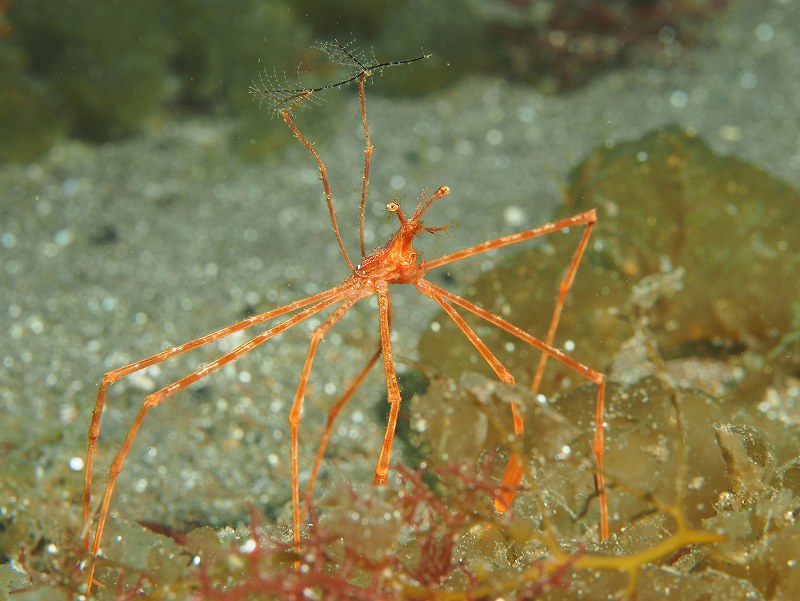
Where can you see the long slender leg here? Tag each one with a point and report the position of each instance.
(164, 393)
(502, 372)
(117, 374)
(367, 159)
(297, 406)
(323, 173)
(392, 388)
(586, 372)
(513, 472)
(563, 290)
(333, 413)
(587, 218)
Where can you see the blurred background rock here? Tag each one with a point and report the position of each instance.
(103, 70)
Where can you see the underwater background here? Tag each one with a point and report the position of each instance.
(147, 198)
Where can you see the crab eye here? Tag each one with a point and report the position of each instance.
(393, 207)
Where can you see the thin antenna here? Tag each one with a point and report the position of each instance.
(286, 99)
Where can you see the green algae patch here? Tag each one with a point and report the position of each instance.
(687, 300)
(664, 202)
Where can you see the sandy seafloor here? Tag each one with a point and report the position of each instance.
(112, 253)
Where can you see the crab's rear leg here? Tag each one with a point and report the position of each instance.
(156, 398)
(297, 406)
(119, 373)
(514, 470)
(563, 289)
(333, 413)
(513, 473)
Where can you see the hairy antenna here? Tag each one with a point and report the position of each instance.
(284, 97)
